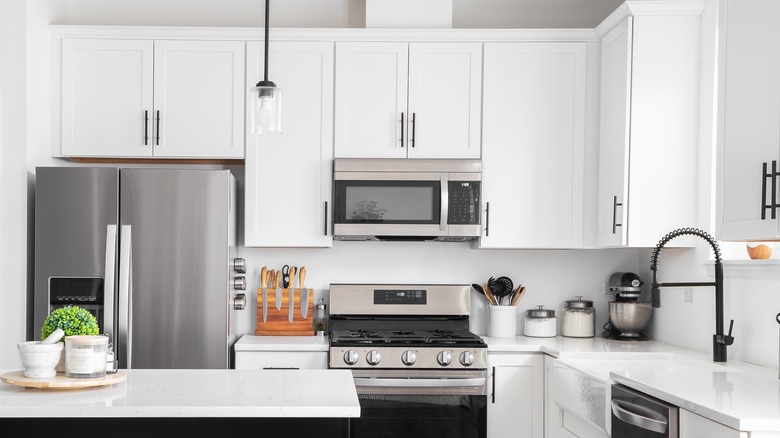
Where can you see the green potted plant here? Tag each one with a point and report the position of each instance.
(73, 320)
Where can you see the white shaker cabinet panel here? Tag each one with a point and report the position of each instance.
(515, 396)
(749, 120)
(533, 137)
(649, 129)
(107, 97)
(371, 98)
(289, 175)
(199, 99)
(696, 426)
(445, 89)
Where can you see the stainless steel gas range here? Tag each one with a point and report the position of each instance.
(417, 368)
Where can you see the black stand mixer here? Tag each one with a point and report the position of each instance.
(627, 315)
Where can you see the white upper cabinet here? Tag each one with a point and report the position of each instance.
(749, 121)
(407, 100)
(289, 175)
(649, 129)
(107, 97)
(144, 98)
(533, 138)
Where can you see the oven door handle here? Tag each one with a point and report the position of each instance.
(639, 416)
(424, 383)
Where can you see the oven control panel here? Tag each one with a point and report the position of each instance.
(372, 356)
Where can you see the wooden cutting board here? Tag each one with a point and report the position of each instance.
(60, 381)
(277, 323)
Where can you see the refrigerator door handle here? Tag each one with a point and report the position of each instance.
(124, 298)
(110, 284)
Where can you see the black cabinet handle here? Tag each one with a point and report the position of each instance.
(487, 219)
(414, 128)
(493, 393)
(146, 128)
(772, 205)
(402, 129)
(158, 128)
(326, 218)
(615, 205)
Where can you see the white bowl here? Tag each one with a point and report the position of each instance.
(40, 360)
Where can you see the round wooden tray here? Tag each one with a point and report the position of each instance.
(60, 381)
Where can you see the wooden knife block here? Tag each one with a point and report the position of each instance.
(277, 323)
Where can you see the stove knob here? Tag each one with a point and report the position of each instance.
(467, 358)
(408, 358)
(373, 357)
(350, 357)
(444, 358)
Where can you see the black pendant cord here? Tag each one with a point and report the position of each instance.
(265, 64)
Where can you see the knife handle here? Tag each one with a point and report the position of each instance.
(278, 279)
(263, 277)
(302, 277)
(291, 284)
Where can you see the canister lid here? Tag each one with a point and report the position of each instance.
(579, 303)
(541, 312)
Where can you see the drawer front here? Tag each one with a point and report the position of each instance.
(304, 360)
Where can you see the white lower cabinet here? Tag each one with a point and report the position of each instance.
(575, 405)
(303, 360)
(515, 395)
(696, 426)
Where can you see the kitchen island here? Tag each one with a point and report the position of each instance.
(190, 403)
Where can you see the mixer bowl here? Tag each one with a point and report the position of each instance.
(630, 318)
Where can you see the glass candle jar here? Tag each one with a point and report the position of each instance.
(579, 319)
(541, 323)
(85, 356)
(319, 318)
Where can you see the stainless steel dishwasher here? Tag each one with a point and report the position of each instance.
(637, 415)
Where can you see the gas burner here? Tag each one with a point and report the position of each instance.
(453, 337)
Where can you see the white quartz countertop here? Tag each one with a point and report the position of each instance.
(282, 343)
(195, 393)
(739, 395)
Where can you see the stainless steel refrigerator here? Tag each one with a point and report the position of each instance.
(150, 252)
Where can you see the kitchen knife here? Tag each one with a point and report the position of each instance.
(264, 291)
(304, 293)
(278, 287)
(291, 296)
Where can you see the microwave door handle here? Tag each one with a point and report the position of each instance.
(445, 200)
(124, 298)
(639, 416)
(110, 284)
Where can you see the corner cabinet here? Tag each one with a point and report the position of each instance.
(533, 143)
(649, 128)
(749, 121)
(140, 98)
(408, 100)
(515, 395)
(289, 175)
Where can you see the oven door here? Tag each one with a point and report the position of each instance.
(429, 403)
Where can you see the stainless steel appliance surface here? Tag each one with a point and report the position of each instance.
(417, 368)
(396, 199)
(628, 316)
(154, 247)
(638, 415)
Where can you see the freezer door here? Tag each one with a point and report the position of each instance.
(75, 209)
(179, 287)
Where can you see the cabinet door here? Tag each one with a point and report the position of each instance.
(106, 94)
(533, 145)
(289, 176)
(749, 118)
(445, 90)
(199, 99)
(371, 96)
(515, 396)
(696, 426)
(615, 119)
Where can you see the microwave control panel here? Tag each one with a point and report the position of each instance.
(463, 203)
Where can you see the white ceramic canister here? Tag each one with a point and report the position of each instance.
(502, 321)
(578, 319)
(85, 356)
(541, 323)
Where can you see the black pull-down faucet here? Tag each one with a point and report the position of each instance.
(720, 340)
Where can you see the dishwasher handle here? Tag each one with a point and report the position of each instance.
(639, 416)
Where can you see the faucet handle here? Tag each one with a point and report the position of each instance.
(726, 339)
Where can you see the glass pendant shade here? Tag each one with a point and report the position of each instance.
(266, 106)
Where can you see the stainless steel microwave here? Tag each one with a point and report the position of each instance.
(397, 199)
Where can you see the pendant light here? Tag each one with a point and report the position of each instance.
(265, 98)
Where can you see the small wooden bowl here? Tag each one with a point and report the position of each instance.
(759, 251)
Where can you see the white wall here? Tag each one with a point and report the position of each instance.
(13, 181)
